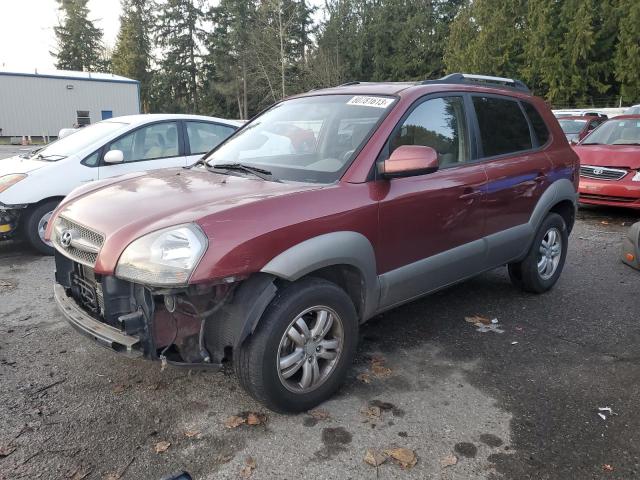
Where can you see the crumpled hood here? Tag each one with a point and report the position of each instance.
(19, 165)
(624, 156)
(124, 209)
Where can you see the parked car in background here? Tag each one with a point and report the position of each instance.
(324, 211)
(578, 113)
(33, 184)
(633, 110)
(610, 163)
(576, 128)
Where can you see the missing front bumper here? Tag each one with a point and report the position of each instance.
(102, 333)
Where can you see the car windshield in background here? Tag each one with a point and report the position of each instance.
(572, 126)
(77, 141)
(616, 132)
(310, 139)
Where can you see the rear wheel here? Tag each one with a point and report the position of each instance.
(302, 348)
(541, 268)
(35, 224)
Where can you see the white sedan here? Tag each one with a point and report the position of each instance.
(32, 185)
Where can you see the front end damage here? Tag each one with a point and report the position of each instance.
(197, 325)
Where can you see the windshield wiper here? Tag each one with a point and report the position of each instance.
(258, 172)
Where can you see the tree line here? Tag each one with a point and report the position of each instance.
(236, 57)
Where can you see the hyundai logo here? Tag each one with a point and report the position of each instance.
(597, 171)
(66, 238)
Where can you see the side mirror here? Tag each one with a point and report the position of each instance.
(410, 160)
(114, 156)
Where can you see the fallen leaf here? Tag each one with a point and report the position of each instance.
(223, 458)
(374, 458)
(475, 319)
(6, 450)
(608, 468)
(80, 473)
(192, 433)
(604, 222)
(162, 446)
(256, 418)
(382, 405)
(119, 388)
(448, 461)
(404, 456)
(380, 370)
(364, 378)
(372, 412)
(112, 476)
(249, 467)
(234, 421)
(319, 414)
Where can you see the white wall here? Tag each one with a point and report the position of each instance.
(32, 105)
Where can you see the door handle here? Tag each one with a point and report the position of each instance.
(470, 194)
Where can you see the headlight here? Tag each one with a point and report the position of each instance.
(7, 180)
(165, 257)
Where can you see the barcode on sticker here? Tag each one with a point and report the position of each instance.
(379, 102)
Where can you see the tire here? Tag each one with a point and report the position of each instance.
(526, 274)
(257, 364)
(31, 227)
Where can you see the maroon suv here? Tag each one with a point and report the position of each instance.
(320, 213)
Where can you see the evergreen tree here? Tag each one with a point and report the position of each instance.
(132, 54)
(177, 33)
(627, 52)
(79, 41)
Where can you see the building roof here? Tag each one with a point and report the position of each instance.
(71, 75)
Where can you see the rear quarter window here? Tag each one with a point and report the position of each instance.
(503, 127)
(539, 127)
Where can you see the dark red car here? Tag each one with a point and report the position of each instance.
(577, 127)
(271, 254)
(610, 163)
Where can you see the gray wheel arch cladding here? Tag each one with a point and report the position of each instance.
(335, 248)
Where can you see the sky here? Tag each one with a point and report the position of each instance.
(26, 31)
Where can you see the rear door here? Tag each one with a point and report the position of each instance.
(511, 135)
(150, 147)
(431, 225)
(201, 137)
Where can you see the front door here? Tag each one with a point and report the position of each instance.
(146, 148)
(431, 226)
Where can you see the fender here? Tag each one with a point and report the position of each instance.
(336, 248)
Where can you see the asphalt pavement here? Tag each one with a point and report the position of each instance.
(471, 405)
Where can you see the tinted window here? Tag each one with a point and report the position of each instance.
(204, 136)
(503, 127)
(539, 127)
(155, 141)
(438, 123)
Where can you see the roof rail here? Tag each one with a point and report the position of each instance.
(349, 83)
(468, 78)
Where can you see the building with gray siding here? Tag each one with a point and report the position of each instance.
(40, 104)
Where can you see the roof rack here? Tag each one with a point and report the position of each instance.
(468, 78)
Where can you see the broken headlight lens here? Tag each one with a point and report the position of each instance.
(163, 258)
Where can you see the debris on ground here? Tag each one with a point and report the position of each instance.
(192, 433)
(364, 378)
(319, 414)
(514, 343)
(375, 458)
(161, 447)
(405, 457)
(79, 473)
(448, 461)
(6, 450)
(5, 285)
(248, 468)
(484, 324)
(378, 366)
(371, 412)
(604, 411)
(608, 468)
(249, 418)
(119, 388)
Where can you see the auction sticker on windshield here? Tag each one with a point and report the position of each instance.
(378, 102)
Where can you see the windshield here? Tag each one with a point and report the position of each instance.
(310, 139)
(77, 140)
(616, 132)
(572, 126)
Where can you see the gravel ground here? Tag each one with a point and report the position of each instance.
(70, 409)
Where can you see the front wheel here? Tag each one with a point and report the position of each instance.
(303, 346)
(541, 268)
(35, 224)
